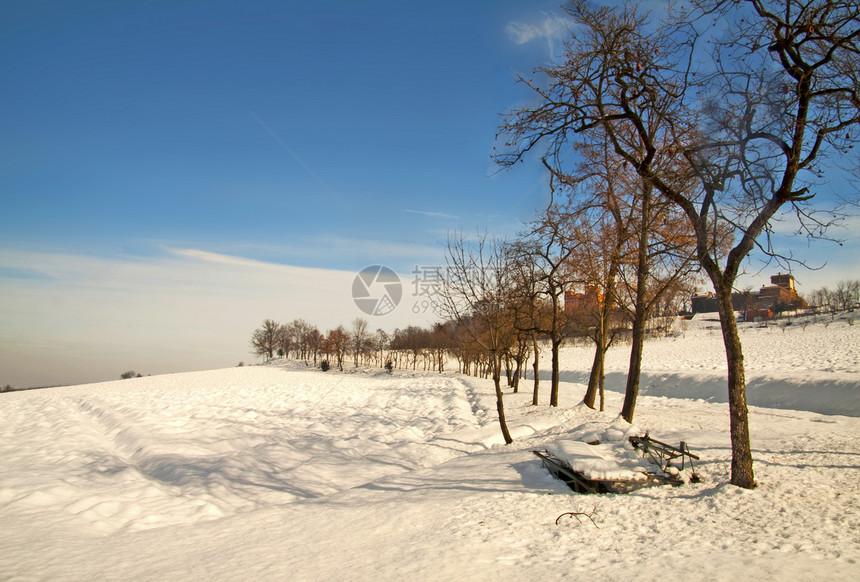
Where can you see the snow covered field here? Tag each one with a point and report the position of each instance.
(799, 365)
(287, 473)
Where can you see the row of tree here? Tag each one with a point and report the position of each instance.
(567, 276)
(413, 347)
(404, 348)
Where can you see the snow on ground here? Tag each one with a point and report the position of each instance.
(798, 365)
(281, 473)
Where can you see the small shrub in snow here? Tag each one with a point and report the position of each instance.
(324, 366)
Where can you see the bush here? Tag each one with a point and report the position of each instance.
(324, 366)
(389, 367)
(129, 374)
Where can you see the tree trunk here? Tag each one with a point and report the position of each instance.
(596, 378)
(537, 373)
(742, 461)
(518, 365)
(553, 391)
(500, 405)
(631, 391)
(596, 371)
(602, 391)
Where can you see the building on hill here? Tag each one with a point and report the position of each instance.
(708, 303)
(780, 280)
(777, 297)
(582, 302)
(780, 295)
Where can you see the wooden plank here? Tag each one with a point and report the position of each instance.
(566, 474)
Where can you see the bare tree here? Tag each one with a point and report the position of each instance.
(549, 245)
(779, 88)
(381, 343)
(602, 193)
(594, 308)
(476, 296)
(313, 340)
(847, 294)
(664, 251)
(616, 227)
(337, 342)
(284, 340)
(412, 341)
(531, 310)
(440, 341)
(359, 339)
(516, 356)
(264, 340)
(302, 339)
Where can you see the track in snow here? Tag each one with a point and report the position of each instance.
(182, 449)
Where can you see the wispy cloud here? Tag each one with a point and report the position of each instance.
(220, 259)
(346, 252)
(432, 214)
(551, 28)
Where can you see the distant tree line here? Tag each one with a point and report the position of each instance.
(413, 347)
(301, 340)
(845, 297)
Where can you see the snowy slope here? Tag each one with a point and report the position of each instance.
(280, 473)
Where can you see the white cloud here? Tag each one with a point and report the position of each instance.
(353, 253)
(551, 29)
(432, 214)
(86, 318)
(221, 259)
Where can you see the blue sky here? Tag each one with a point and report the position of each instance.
(171, 173)
(262, 129)
(167, 169)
